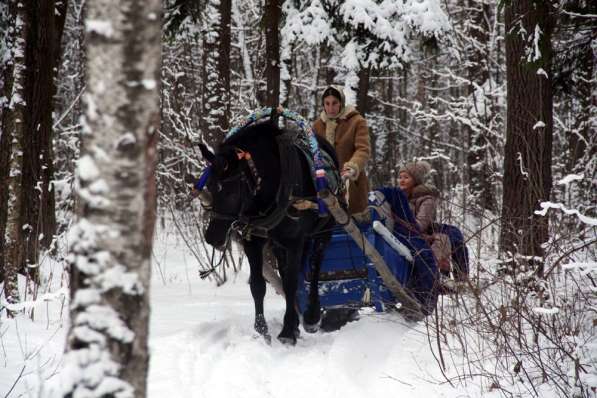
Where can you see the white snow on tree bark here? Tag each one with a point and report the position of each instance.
(539, 125)
(569, 178)
(106, 346)
(100, 27)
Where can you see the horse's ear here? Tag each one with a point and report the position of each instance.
(206, 153)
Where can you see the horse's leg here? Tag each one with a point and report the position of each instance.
(289, 261)
(254, 251)
(312, 314)
(281, 257)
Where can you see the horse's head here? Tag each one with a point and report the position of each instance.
(224, 194)
(244, 178)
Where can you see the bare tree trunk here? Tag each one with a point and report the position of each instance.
(527, 162)
(582, 129)
(70, 82)
(271, 21)
(6, 76)
(245, 56)
(406, 147)
(363, 91)
(106, 352)
(41, 57)
(321, 59)
(391, 152)
(13, 126)
(478, 73)
(330, 73)
(4, 173)
(363, 106)
(287, 75)
(216, 71)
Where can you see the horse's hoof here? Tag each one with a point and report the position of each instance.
(312, 319)
(287, 336)
(335, 318)
(287, 340)
(311, 328)
(260, 325)
(268, 339)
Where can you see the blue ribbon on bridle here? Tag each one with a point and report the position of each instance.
(200, 184)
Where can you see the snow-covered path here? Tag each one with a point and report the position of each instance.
(203, 345)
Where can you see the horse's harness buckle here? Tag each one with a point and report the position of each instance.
(242, 229)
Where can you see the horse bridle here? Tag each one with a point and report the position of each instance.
(248, 176)
(258, 225)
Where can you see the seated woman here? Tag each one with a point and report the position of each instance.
(423, 200)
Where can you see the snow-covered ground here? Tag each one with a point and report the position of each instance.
(203, 345)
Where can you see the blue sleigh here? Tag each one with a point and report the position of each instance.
(349, 278)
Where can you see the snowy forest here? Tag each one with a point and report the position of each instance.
(108, 286)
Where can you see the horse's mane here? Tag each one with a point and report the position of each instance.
(252, 133)
(257, 130)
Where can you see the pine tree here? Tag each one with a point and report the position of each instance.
(527, 162)
(42, 54)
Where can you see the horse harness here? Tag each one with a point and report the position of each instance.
(260, 225)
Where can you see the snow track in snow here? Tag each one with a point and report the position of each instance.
(203, 345)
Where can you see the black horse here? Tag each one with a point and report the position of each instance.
(257, 177)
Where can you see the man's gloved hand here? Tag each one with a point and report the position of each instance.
(350, 171)
(194, 192)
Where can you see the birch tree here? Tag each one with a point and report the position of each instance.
(106, 353)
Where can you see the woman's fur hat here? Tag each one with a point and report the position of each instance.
(418, 170)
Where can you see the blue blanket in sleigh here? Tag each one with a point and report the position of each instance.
(424, 272)
(349, 279)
